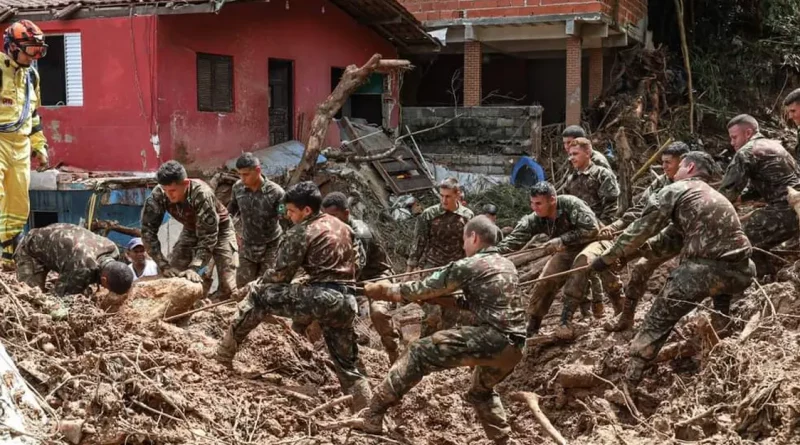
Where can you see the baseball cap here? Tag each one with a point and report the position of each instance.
(134, 243)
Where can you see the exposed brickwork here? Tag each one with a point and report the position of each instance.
(573, 80)
(432, 10)
(473, 59)
(595, 73)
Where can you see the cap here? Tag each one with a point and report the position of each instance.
(134, 243)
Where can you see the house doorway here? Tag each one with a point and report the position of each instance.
(281, 100)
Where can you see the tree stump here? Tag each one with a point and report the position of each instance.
(153, 299)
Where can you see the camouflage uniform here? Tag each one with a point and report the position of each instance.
(769, 169)
(715, 260)
(376, 265)
(75, 253)
(598, 159)
(493, 346)
(323, 247)
(261, 230)
(598, 188)
(438, 241)
(577, 227)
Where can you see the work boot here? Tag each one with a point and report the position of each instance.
(625, 320)
(634, 372)
(534, 324)
(361, 395)
(226, 350)
(720, 318)
(566, 331)
(585, 309)
(382, 399)
(617, 300)
(598, 310)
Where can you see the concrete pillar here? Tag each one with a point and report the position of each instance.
(573, 102)
(595, 73)
(473, 59)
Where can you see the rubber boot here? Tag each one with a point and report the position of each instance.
(226, 349)
(598, 310)
(361, 393)
(534, 324)
(382, 400)
(566, 331)
(625, 320)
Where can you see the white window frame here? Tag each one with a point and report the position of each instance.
(73, 69)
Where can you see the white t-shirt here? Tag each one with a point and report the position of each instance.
(150, 269)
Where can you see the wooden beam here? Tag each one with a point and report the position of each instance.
(396, 20)
(66, 12)
(92, 12)
(7, 14)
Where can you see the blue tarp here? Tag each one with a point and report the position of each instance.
(276, 160)
(527, 172)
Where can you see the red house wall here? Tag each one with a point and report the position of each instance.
(252, 33)
(111, 131)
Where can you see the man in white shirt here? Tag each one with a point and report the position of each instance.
(141, 265)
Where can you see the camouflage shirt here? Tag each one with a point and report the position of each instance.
(376, 262)
(261, 211)
(74, 252)
(598, 159)
(597, 187)
(323, 246)
(633, 213)
(706, 221)
(439, 236)
(489, 282)
(766, 166)
(575, 224)
(200, 213)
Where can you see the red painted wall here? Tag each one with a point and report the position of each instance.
(111, 131)
(431, 10)
(252, 33)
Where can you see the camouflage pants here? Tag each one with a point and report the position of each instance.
(334, 310)
(766, 228)
(544, 292)
(643, 268)
(226, 258)
(687, 286)
(436, 318)
(488, 350)
(253, 265)
(29, 270)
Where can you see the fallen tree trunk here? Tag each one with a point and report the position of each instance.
(625, 171)
(352, 78)
(153, 299)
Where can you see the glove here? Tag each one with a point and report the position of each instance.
(170, 272)
(598, 265)
(554, 245)
(44, 160)
(191, 275)
(379, 291)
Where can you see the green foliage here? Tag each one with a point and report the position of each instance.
(512, 203)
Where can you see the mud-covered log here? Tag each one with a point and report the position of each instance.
(153, 299)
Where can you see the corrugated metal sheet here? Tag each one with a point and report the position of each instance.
(74, 68)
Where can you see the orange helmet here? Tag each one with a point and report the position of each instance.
(24, 36)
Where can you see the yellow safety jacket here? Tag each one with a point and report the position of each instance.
(19, 103)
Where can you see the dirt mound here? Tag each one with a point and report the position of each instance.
(134, 383)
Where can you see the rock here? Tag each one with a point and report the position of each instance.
(72, 430)
(49, 348)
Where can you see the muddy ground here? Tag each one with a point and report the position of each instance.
(154, 383)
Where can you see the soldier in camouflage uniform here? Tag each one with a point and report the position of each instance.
(323, 247)
(573, 132)
(792, 104)
(769, 170)
(207, 229)
(493, 346)
(572, 229)
(437, 243)
(80, 257)
(598, 188)
(258, 201)
(715, 258)
(659, 250)
(376, 265)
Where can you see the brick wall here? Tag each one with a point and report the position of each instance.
(595, 73)
(432, 10)
(473, 60)
(573, 80)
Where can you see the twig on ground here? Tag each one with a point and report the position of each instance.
(332, 403)
(532, 400)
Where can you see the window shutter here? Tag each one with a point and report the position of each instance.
(73, 61)
(214, 83)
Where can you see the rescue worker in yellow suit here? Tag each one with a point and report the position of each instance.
(21, 133)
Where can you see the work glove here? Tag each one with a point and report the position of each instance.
(170, 272)
(598, 265)
(553, 246)
(191, 275)
(379, 291)
(44, 160)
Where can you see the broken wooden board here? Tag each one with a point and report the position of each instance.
(153, 299)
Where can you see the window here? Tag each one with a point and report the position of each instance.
(214, 83)
(61, 71)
